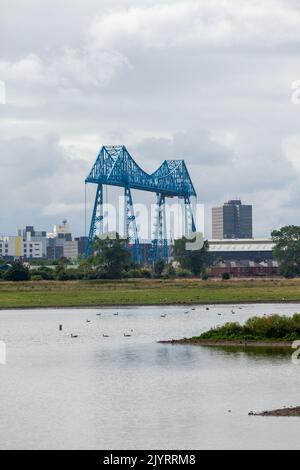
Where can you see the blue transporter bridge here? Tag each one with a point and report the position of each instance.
(115, 166)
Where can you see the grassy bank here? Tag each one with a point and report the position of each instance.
(145, 292)
(273, 330)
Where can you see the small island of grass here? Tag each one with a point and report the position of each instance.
(267, 331)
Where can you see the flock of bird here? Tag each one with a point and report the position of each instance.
(129, 335)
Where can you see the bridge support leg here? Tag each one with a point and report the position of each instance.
(160, 249)
(130, 227)
(189, 226)
(96, 227)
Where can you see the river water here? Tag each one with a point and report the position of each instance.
(93, 392)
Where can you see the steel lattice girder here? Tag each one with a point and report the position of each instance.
(114, 166)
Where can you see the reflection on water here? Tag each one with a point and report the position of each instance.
(93, 392)
(256, 353)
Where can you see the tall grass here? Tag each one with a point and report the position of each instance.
(274, 327)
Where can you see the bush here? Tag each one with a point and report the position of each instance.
(184, 273)
(226, 276)
(46, 274)
(171, 271)
(62, 274)
(146, 273)
(36, 277)
(17, 272)
(274, 327)
(135, 273)
(288, 271)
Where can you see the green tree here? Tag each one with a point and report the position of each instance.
(112, 257)
(287, 250)
(17, 272)
(192, 260)
(159, 267)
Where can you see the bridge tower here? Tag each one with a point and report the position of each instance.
(115, 166)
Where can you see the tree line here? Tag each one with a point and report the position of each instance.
(112, 260)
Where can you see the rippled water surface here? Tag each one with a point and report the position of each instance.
(94, 392)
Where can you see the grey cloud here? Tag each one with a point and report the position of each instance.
(37, 178)
(164, 88)
(196, 147)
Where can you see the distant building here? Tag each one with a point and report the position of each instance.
(257, 250)
(232, 220)
(70, 250)
(246, 269)
(31, 244)
(56, 241)
(61, 231)
(14, 247)
(82, 245)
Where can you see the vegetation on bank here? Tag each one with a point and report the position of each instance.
(178, 291)
(272, 328)
(111, 260)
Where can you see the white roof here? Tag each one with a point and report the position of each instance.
(241, 245)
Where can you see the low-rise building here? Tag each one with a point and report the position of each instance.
(14, 247)
(245, 269)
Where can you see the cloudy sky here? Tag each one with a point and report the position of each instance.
(209, 81)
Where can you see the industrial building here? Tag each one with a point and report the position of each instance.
(232, 220)
(257, 250)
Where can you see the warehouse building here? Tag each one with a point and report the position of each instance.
(257, 250)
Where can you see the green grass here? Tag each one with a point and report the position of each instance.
(145, 292)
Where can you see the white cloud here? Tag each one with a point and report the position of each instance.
(291, 149)
(72, 70)
(217, 23)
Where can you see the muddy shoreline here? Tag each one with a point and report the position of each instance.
(283, 412)
(235, 343)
